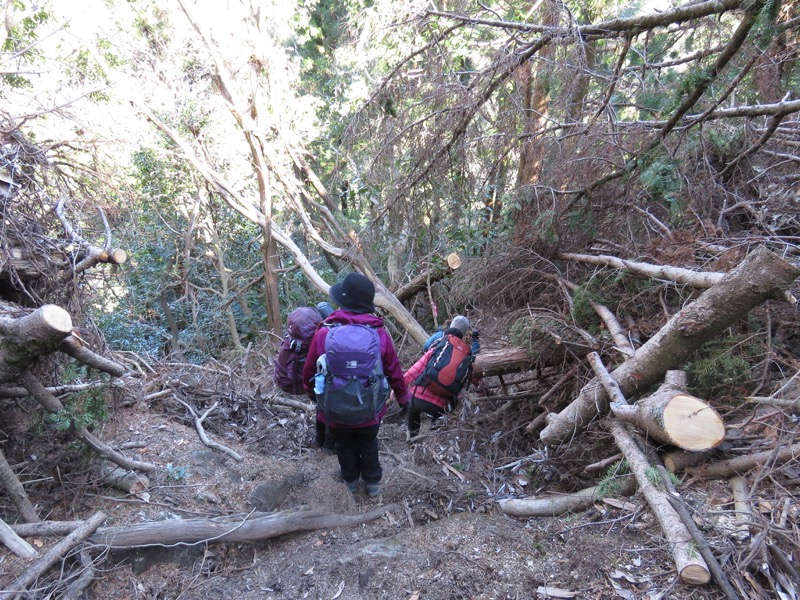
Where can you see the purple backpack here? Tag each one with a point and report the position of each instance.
(355, 386)
(301, 326)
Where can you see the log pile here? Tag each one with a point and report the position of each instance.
(687, 429)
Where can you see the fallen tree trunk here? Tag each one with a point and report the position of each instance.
(692, 569)
(497, 362)
(742, 464)
(670, 416)
(244, 528)
(678, 504)
(761, 276)
(559, 505)
(622, 342)
(679, 275)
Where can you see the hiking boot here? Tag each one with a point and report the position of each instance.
(352, 486)
(315, 445)
(329, 448)
(373, 489)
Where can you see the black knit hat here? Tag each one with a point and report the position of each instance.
(355, 294)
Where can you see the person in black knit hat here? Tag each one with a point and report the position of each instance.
(357, 444)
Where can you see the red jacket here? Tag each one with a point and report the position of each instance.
(420, 391)
(389, 359)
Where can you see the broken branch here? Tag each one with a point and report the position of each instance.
(198, 424)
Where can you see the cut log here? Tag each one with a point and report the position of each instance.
(496, 362)
(670, 416)
(692, 569)
(742, 464)
(128, 481)
(700, 541)
(26, 338)
(560, 505)
(761, 276)
(677, 461)
(422, 280)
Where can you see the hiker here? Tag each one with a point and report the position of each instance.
(352, 403)
(462, 323)
(300, 328)
(434, 395)
(301, 325)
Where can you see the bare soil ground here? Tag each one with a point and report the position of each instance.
(443, 536)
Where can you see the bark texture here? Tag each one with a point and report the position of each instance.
(247, 528)
(761, 276)
(692, 569)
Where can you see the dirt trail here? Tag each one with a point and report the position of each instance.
(446, 539)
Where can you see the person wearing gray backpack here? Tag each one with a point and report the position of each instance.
(352, 364)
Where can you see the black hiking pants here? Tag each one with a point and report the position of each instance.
(417, 406)
(357, 451)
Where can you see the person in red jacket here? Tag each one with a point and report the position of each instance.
(357, 445)
(423, 399)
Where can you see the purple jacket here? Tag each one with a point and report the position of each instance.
(391, 364)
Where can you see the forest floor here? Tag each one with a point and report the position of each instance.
(443, 535)
(443, 538)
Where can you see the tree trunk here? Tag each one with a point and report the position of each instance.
(497, 362)
(762, 275)
(247, 528)
(671, 416)
(691, 568)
